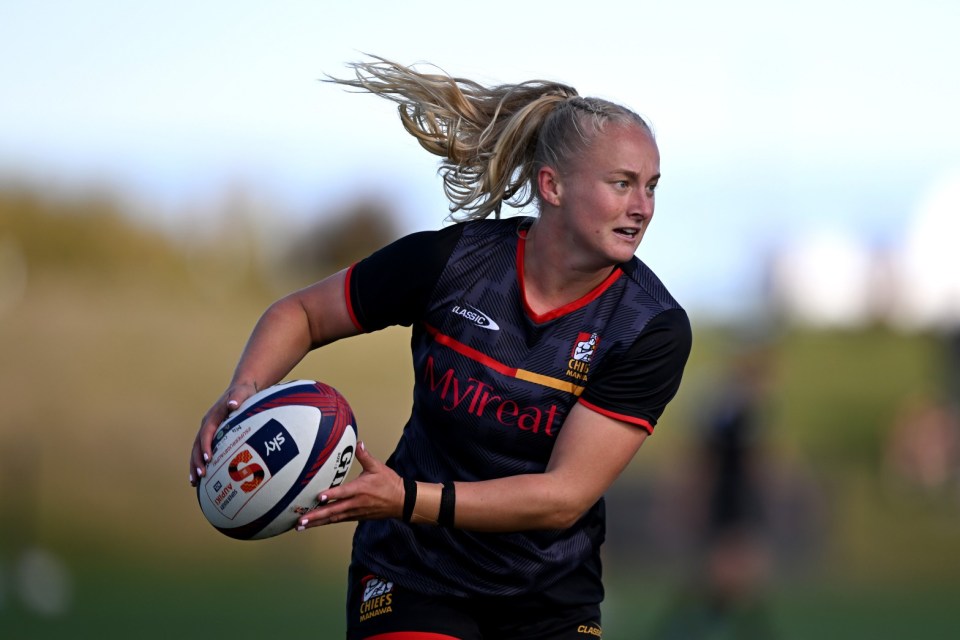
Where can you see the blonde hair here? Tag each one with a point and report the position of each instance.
(493, 140)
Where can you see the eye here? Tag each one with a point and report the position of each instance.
(622, 184)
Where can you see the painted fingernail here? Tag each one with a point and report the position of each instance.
(191, 478)
(232, 404)
(206, 457)
(301, 528)
(303, 523)
(323, 498)
(199, 472)
(363, 446)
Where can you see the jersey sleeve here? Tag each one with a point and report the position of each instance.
(636, 387)
(393, 285)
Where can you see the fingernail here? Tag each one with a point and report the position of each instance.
(362, 446)
(232, 403)
(323, 498)
(199, 472)
(206, 458)
(191, 478)
(303, 523)
(301, 528)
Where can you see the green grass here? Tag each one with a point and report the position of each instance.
(115, 602)
(264, 602)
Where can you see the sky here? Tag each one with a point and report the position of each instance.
(777, 121)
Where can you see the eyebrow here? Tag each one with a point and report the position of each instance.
(633, 175)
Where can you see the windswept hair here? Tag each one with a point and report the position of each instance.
(493, 140)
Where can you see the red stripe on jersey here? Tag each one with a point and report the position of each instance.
(499, 367)
(346, 294)
(640, 422)
(567, 308)
(472, 353)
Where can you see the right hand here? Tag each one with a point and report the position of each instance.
(223, 407)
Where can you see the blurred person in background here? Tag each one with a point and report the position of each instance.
(544, 354)
(725, 597)
(923, 447)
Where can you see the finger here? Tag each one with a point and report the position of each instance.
(201, 453)
(345, 490)
(198, 459)
(335, 512)
(338, 493)
(194, 470)
(228, 403)
(367, 461)
(220, 412)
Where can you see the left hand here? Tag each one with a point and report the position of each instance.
(375, 494)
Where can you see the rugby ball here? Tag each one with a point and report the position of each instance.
(274, 455)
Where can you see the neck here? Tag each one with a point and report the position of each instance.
(552, 276)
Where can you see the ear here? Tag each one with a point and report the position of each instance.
(548, 184)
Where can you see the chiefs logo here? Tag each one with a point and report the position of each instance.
(578, 366)
(377, 597)
(585, 346)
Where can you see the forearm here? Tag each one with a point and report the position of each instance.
(280, 340)
(555, 499)
(518, 503)
(290, 328)
(570, 485)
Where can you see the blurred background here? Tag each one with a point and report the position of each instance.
(168, 169)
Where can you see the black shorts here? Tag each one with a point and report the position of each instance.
(379, 609)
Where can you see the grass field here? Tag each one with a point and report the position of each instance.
(108, 362)
(273, 602)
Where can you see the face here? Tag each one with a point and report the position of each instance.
(604, 199)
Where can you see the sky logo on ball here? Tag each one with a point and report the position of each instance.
(275, 445)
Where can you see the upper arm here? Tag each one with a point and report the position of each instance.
(325, 306)
(590, 453)
(392, 286)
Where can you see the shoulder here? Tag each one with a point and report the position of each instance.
(668, 332)
(496, 227)
(449, 236)
(645, 283)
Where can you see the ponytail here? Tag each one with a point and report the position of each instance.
(492, 140)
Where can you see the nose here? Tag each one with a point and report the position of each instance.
(642, 205)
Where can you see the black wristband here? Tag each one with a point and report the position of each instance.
(409, 498)
(448, 504)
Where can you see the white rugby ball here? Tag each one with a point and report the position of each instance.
(274, 455)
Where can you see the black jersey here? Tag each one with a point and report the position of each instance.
(493, 384)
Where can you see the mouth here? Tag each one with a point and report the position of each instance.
(629, 233)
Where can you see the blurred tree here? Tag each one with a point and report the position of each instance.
(342, 236)
(88, 232)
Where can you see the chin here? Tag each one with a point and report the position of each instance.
(623, 254)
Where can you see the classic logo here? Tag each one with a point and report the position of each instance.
(474, 315)
(377, 597)
(578, 366)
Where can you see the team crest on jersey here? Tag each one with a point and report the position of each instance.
(377, 597)
(578, 366)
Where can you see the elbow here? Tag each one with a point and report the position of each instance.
(564, 516)
(563, 502)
